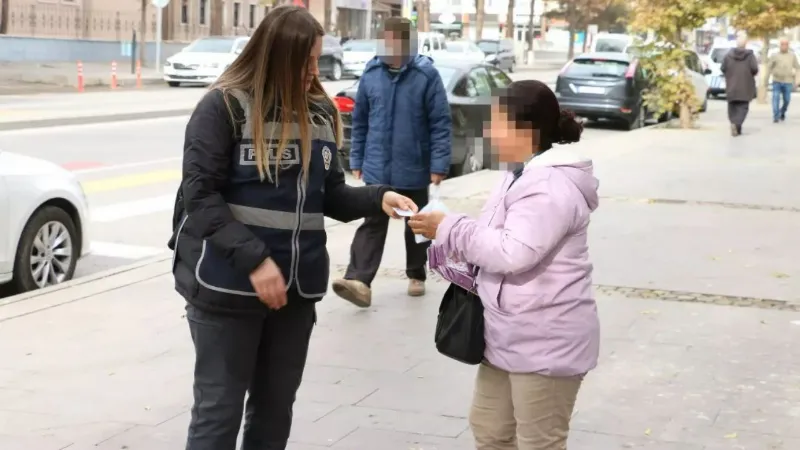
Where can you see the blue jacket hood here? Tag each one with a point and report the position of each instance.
(417, 60)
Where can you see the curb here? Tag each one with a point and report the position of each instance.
(87, 120)
(81, 288)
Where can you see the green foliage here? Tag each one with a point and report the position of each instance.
(762, 18)
(664, 61)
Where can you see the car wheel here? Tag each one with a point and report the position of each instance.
(336, 73)
(473, 162)
(48, 250)
(173, 83)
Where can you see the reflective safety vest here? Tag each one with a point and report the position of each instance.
(287, 215)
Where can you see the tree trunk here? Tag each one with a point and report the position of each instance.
(510, 20)
(328, 13)
(529, 38)
(480, 5)
(763, 76)
(571, 48)
(215, 25)
(143, 33)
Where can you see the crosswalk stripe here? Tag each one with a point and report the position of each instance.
(126, 210)
(130, 181)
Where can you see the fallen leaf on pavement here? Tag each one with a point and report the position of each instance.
(648, 312)
(780, 275)
(647, 432)
(731, 436)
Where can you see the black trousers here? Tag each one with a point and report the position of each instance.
(737, 112)
(263, 356)
(366, 250)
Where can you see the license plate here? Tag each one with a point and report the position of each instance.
(591, 90)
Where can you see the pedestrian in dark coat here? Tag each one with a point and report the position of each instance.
(402, 137)
(260, 174)
(740, 67)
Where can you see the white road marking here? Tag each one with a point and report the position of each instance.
(123, 166)
(83, 127)
(125, 251)
(126, 210)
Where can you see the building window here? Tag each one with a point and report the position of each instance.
(203, 11)
(185, 11)
(252, 16)
(236, 13)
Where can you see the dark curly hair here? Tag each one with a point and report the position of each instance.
(531, 104)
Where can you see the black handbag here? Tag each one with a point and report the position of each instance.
(459, 328)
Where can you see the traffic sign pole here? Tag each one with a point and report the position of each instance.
(160, 5)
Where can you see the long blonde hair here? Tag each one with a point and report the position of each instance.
(270, 70)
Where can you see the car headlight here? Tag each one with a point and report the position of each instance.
(168, 63)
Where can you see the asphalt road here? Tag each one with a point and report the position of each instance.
(130, 171)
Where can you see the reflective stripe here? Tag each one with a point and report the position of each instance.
(280, 220)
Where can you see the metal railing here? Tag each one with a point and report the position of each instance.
(67, 21)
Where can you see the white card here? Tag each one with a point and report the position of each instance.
(403, 212)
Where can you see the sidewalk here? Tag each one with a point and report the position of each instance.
(691, 216)
(17, 77)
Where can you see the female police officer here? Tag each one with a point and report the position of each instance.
(260, 173)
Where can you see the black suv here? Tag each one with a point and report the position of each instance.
(330, 63)
(499, 53)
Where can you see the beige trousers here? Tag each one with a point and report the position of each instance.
(513, 411)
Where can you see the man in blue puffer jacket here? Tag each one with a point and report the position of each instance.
(401, 137)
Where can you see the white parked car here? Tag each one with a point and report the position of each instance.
(465, 51)
(356, 54)
(44, 219)
(713, 61)
(203, 61)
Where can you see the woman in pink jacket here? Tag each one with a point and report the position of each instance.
(530, 243)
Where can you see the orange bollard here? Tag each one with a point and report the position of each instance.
(113, 74)
(138, 74)
(80, 76)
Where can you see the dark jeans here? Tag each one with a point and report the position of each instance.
(780, 90)
(737, 112)
(366, 251)
(263, 356)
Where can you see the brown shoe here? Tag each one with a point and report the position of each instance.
(353, 291)
(416, 288)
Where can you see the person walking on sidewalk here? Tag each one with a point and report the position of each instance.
(401, 136)
(260, 173)
(740, 68)
(534, 279)
(784, 68)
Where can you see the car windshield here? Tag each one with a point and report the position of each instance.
(612, 45)
(488, 46)
(718, 54)
(597, 68)
(210, 45)
(456, 47)
(360, 46)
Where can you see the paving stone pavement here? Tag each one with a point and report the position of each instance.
(107, 364)
(113, 371)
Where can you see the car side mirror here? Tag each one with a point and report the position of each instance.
(707, 72)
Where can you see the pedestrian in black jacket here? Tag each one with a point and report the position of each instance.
(740, 67)
(260, 174)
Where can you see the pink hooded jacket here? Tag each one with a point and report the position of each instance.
(535, 278)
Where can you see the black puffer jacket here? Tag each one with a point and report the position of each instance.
(215, 175)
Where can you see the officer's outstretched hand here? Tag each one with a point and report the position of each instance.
(393, 200)
(269, 284)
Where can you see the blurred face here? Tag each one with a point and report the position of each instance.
(393, 43)
(312, 70)
(784, 46)
(510, 142)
